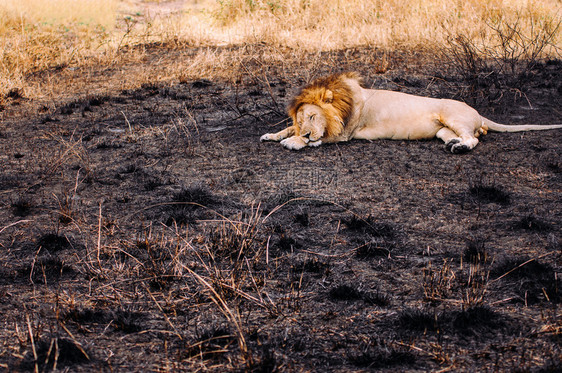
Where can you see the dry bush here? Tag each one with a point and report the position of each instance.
(469, 283)
(503, 55)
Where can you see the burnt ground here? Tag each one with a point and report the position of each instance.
(150, 230)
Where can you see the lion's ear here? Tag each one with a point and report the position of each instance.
(328, 96)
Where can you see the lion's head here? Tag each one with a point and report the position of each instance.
(322, 108)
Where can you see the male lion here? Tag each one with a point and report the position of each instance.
(336, 108)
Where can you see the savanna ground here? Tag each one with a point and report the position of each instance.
(144, 227)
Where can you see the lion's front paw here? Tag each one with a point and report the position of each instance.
(294, 143)
(315, 143)
(268, 137)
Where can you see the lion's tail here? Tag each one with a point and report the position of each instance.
(496, 127)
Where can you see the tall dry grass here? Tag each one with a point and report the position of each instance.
(49, 34)
(39, 35)
(335, 24)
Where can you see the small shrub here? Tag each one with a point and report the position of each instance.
(420, 320)
(303, 219)
(185, 204)
(351, 293)
(287, 244)
(374, 239)
(476, 252)
(476, 319)
(230, 242)
(120, 319)
(490, 194)
(315, 266)
(157, 263)
(531, 223)
(370, 226)
(438, 282)
(195, 195)
(47, 270)
(282, 196)
(344, 292)
(531, 280)
(53, 242)
(374, 248)
(152, 183)
(22, 207)
(64, 352)
(211, 343)
(376, 298)
(378, 358)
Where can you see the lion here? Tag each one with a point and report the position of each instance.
(337, 108)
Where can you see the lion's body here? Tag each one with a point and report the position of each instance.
(336, 108)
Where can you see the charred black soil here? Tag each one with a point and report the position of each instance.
(150, 230)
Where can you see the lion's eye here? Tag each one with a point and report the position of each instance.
(311, 117)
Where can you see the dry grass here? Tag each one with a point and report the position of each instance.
(123, 256)
(316, 24)
(40, 35)
(68, 34)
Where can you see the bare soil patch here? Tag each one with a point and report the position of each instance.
(148, 229)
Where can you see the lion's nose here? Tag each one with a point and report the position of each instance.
(307, 135)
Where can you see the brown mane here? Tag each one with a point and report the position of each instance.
(333, 95)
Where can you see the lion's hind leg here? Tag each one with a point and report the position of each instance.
(459, 137)
(467, 143)
(449, 137)
(463, 124)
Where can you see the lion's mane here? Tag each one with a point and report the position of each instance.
(333, 95)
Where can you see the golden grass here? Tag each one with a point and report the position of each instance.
(42, 35)
(338, 24)
(59, 12)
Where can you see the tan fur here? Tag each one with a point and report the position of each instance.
(336, 108)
